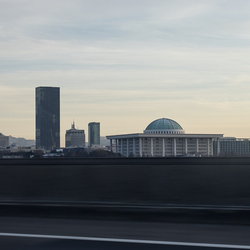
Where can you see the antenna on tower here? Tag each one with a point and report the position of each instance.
(73, 125)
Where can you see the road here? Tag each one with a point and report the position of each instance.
(66, 233)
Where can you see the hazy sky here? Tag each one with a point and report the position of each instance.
(127, 63)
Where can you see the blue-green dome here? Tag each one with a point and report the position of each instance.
(164, 125)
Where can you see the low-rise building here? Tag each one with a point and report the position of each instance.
(231, 146)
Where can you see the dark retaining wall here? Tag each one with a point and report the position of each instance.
(193, 181)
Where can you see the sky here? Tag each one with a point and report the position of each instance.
(127, 63)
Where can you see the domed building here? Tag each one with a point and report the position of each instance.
(164, 126)
(163, 138)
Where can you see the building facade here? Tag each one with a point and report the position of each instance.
(74, 137)
(47, 118)
(164, 138)
(231, 146)
(94, 134)
(4, 141)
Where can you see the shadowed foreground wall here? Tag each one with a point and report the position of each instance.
(205, 181)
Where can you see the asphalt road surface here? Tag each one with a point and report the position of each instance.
(31, 243)
(65, 233)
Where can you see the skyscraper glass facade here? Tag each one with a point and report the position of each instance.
(94, 134)
(47, 117)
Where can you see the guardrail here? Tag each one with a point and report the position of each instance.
(150, 181)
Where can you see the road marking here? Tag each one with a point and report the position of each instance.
(126, 240)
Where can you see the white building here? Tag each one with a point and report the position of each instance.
(162, 138)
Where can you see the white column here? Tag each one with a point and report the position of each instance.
(163, 147)
(111, 149)
(121, 147)
(218, 146)
(140, 147)
(116, 146)
(174, 146)
(134, 146)
(197, 146)
(208, 147)
(127, 147)
(151, 147)
(212, 147)
(186, 146)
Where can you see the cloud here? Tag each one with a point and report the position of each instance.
(122, 60)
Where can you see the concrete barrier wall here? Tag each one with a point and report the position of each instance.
(204, 181)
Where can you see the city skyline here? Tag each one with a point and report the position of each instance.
(125, 64)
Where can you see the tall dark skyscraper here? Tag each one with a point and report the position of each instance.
(94, 134)
(47, 117)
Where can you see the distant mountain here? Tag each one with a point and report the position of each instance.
(21, 142)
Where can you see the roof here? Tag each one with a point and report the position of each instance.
(179, 136)
(164, 124)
